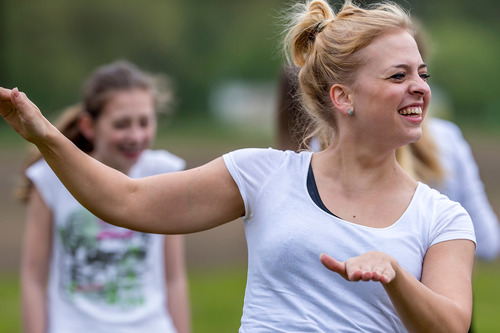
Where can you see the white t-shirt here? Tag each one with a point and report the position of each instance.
(463, 184)
(103, 278)
(288, 289)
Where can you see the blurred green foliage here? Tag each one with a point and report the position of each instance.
(47, 48)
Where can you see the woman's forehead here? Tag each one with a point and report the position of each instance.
(392, 49)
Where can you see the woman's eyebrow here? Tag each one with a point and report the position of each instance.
(407, 67)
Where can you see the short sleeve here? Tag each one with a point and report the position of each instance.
(452, 222)
(251, 168)
(45, 181)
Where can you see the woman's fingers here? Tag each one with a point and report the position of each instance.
(22, 114)
(370, 266)
(6, 104)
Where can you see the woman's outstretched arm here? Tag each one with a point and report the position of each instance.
(181, 202)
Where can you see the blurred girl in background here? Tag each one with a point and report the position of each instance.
(79, 273)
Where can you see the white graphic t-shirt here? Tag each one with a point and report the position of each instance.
(104, 278)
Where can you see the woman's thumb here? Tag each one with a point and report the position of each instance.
(15, 92)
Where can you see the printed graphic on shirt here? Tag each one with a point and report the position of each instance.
(101, 262)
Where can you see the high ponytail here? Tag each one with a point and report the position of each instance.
(307, 21)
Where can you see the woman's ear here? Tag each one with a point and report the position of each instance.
(86, 126)
(341, 99)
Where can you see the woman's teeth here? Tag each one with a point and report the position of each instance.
(411, 111)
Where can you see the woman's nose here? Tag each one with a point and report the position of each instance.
(420, 87)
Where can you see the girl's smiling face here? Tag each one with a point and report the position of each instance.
(390, 95)
(124, 129)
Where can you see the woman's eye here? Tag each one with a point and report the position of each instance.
(425, 76)
(398, 76)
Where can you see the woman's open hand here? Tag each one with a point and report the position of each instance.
(370, 266)
(22, 115)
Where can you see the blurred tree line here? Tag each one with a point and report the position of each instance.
(48, 47)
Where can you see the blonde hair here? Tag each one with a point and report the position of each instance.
(325, 46)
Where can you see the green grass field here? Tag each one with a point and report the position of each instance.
(217, 299)
(486, 286)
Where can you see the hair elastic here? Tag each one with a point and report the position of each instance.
(319, 27)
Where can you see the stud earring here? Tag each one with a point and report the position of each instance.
(350, 112)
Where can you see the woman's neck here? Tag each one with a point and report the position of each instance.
(359, 170)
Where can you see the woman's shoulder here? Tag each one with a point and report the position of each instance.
(425, 193)
(443, 218)
(269, 153)
(430, 200)
(265, 157)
